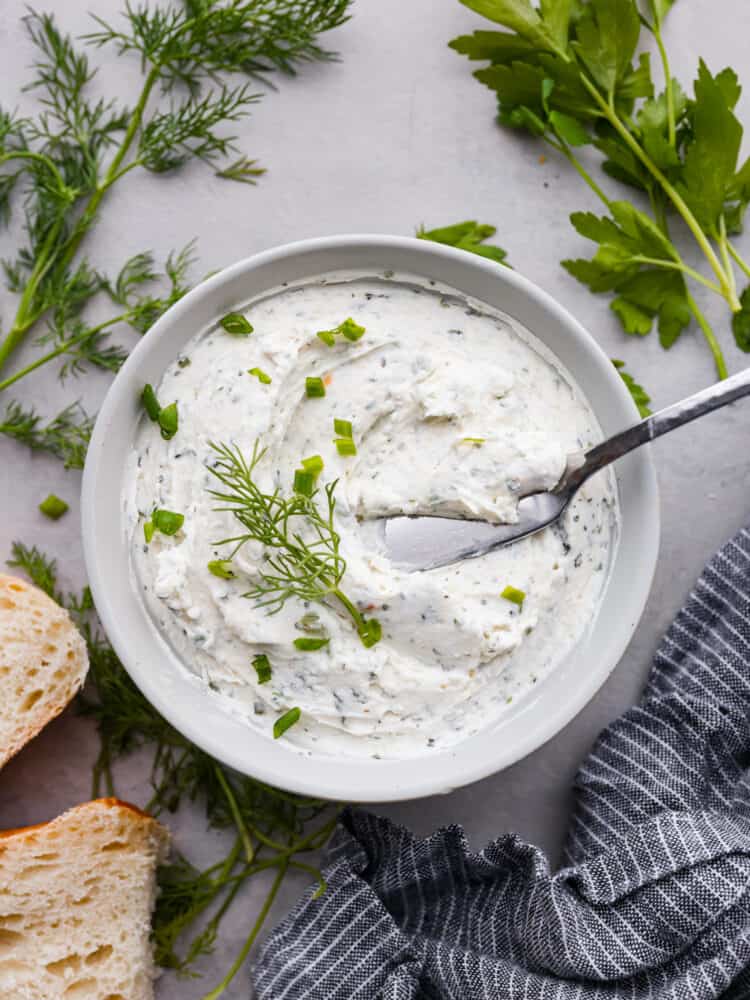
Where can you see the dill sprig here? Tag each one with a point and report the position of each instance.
(66, 436)
(302, 557)
(61, 162)
(274, 831)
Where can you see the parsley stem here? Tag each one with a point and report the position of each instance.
(566, 151)
(741, 262)
(724, 250)
(677, 200)
(668, 88)
(678, 265)
(721, 365)
(244, 951)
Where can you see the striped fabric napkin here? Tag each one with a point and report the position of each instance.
(654, 899)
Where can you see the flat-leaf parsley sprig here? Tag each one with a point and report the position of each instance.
(572, 75)
(302, 557)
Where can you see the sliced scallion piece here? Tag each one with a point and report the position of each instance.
(168, 421)
(347, 329)
(309, 643)
(150, 402)
(345, 446)
(260, 375)
(262, 668)
(286, 721)
(514, 595)
(343, 428)
(168, 522)
(236, 324)
(148, 531)
(53, 507)
(314, 388)
(221, 568)
(304, 482)
(313, 464)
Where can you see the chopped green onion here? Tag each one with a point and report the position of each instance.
(262, 668)
(313, 464)
(236, 324)
(348, 329)
(343, 428)
(314, 388)
(351, 330)
(304, 482)
(148, 531)
(53, 507)
(260, 375)
(221, 568)
(309, 644)
(370, 632)
(167, 521)
(285, 722)
(514, 595)
(150, 402)
(345, 446)
(168, 421)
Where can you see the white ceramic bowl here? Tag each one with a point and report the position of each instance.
(188, 705)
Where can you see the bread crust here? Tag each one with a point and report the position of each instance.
(31, 622)
(105, 803)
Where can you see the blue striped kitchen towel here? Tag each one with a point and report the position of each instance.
(654, 900)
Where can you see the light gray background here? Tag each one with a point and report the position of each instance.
(396, 134)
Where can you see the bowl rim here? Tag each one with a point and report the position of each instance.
(348, 778)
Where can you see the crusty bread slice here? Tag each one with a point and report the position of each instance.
(43, 662)
(76, 897)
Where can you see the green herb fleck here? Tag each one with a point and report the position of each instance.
(262, 668)
(167, 521)
(476, 442)
(221, 568)
(236, 324)
(309, 644)
(260, 375)
(148, 531)
(285, 722)
(314, 388)
(514, 595)
(53, 507)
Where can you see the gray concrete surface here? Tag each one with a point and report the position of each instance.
(395, 134)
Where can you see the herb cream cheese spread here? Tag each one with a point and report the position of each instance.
(442, 405)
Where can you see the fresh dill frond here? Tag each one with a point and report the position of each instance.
(302, 557)
(66, 436)
(60, 162)
(244, 170)
(273, 830)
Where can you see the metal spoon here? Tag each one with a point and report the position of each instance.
(427, 542)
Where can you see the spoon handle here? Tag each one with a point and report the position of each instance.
(654, 426)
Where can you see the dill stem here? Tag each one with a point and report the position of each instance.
(236, 816)
(61, 349)
(245, 950)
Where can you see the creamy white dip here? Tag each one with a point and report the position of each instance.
(454, 408)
